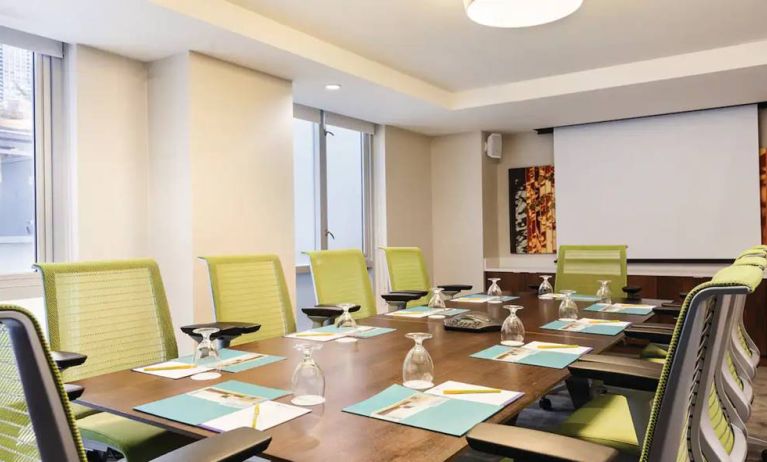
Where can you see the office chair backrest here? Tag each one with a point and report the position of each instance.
(688, 419)
(251, 288)
(115, 312)
(341, 276)
(581, 267)
(35, 419)
(407, 271)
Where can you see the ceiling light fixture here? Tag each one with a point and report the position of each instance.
(519, 13)
(332, 87)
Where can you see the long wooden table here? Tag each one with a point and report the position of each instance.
(357, 371)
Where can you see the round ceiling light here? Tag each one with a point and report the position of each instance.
(519, 13)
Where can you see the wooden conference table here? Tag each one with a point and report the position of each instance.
(357, 371)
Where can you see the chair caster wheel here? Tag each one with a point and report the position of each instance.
(545, 404)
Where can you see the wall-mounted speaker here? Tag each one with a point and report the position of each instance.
(493, 146)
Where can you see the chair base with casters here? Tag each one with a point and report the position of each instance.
(227, 331)
(322, 315)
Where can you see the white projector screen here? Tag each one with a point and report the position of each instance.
(673, 187)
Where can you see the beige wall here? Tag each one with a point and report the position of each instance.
(222, 173)
(241, 151)
(408, 191)
(456, 191)
(108, 149)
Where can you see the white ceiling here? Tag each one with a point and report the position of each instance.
(435, 41)
(422, 65)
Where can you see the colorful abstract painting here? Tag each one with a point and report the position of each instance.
(531, 210)
(763, 190)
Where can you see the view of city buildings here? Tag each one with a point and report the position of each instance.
(17, 166)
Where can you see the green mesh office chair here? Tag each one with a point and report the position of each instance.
(341, 276)
(37, 423)
(687, 420)
(580, 267)
(251, 288)
(408, 272)
(115, 313)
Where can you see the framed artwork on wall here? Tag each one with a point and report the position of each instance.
(532, 217)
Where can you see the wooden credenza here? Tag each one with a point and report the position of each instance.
(663, 287)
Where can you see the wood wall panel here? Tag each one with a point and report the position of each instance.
(663, 287)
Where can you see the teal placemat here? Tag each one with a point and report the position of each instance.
(552, 359)
(600, 307)
(599, 329)
(585, 298)
(228, 354)
(376, 331)
(444, 415)
(449, 312)
(503, 298)
(194, 410)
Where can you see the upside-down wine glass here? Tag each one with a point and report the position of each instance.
(418, 368)
(308, 382)
(346, 321)
(512, 330)
(604, 294)
(206, 354)
(494, 291)
(568, 310)
(436, 300)
(545, 287)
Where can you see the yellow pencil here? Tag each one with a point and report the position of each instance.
(169, 368)
(256, 411)
(554, 347)
(470, 392)
(316, 334)
(601, 321)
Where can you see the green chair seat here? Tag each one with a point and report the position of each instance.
(138, 442)
(80, 411)
(604, 420)
(654, 351)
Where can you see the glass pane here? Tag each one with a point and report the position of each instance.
(344, 172)
(17, 161)
(303, 171)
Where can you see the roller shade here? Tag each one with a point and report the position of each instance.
(337, 120)
(31, 42)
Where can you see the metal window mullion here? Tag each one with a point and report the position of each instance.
(42, 159)
(321, 184)
(367, 198)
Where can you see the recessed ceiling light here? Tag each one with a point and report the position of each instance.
(332, 87)
(519, 13)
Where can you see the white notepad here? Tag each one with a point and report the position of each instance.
(270, 414)
(172, 373)
(497, 399)
(316, 336)
(535, 346)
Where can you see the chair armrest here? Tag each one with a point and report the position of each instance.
(655, 335)
(644, 378)
(420, 293)
(671, 309)
(622, 361)
(455, 287)
(632, 292)
(73, 391)
(235, 445)
(533, 445)
(227, 330)
(400, 296)
(327, 311)
(66, 359)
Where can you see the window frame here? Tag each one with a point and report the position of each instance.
(320, 134)
(47, 83)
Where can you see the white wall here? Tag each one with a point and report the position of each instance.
(222, 173)
(108, 147)
(457, 200)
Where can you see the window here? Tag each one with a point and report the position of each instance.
(25, 151)
(332, 185)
